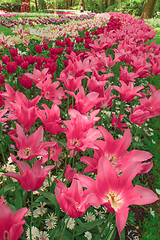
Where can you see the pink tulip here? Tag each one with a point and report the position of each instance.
(39, 76)
(69, 173)
(32, 146)
(116, 192)
(51, 119)
(11, 224)
(31, 179)
(126, 76)
(85, 103)
(116, 123)
(74, 73)
(138, 116)
(128, 92)
(50, 92)
(73, 201)
(80, 132)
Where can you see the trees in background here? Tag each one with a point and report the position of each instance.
(143, 8)
(148, 9)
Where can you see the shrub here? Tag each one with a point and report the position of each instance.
(10, 7)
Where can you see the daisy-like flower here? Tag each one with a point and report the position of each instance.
(45, 184)
(71, 223)
(153, 141)
(152, 212)
(88, 235)
(36, 213)
(35, 233)
(10, 168)
(89, 217)
(110, 225)
(99, 213)
(28, 214)
(42, 208)
(158, 191)
(136, 138)
(43, 235)
(51, 222)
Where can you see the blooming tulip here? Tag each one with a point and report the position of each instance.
(11, 224)
(73, 201)
(116, 192)
(31, 179)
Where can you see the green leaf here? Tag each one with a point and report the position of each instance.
(122, 236)
(50, 196)
(7, 188)
(18, 199)
(86, 226)
(111, 235)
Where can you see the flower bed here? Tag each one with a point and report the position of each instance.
(78, 102)
(49, 19)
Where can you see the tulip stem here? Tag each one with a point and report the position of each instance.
(31, 215)
(102, 115)
(73, 158)
(104, 226)
(72, 102)
(1, 136)
(68, 103)
(121, 108)
(64, 228)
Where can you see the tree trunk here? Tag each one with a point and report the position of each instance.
(148, 9)
(106, 4)
(82, 2)
(36, 5)
(67, 4)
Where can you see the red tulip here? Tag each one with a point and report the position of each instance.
(11, 67)
(13, 52)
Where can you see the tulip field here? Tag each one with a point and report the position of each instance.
(80, 107)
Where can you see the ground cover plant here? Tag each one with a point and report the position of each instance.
(76, 101)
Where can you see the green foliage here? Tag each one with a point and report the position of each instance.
(42, 4)
(133, 7)
(10, 7)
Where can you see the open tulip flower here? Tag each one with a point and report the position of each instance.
(11, 224)
(32, 146)
(116, 192)
(73, 201)
(31, 179)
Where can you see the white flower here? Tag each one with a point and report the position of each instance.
(88, 235)
(71, 223)
(110, 225)
(10, 160)
(153, 141)
(36, 213)
(10, 168)
(99, 214)
(158, 191)
(120, 136)
(42, 208)
(135, 238)
(89, 217)
(28, 213)
(34, 233)
(44, 235)
(51, 222)
(136, 138)
(108, 113)
(152, 212)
